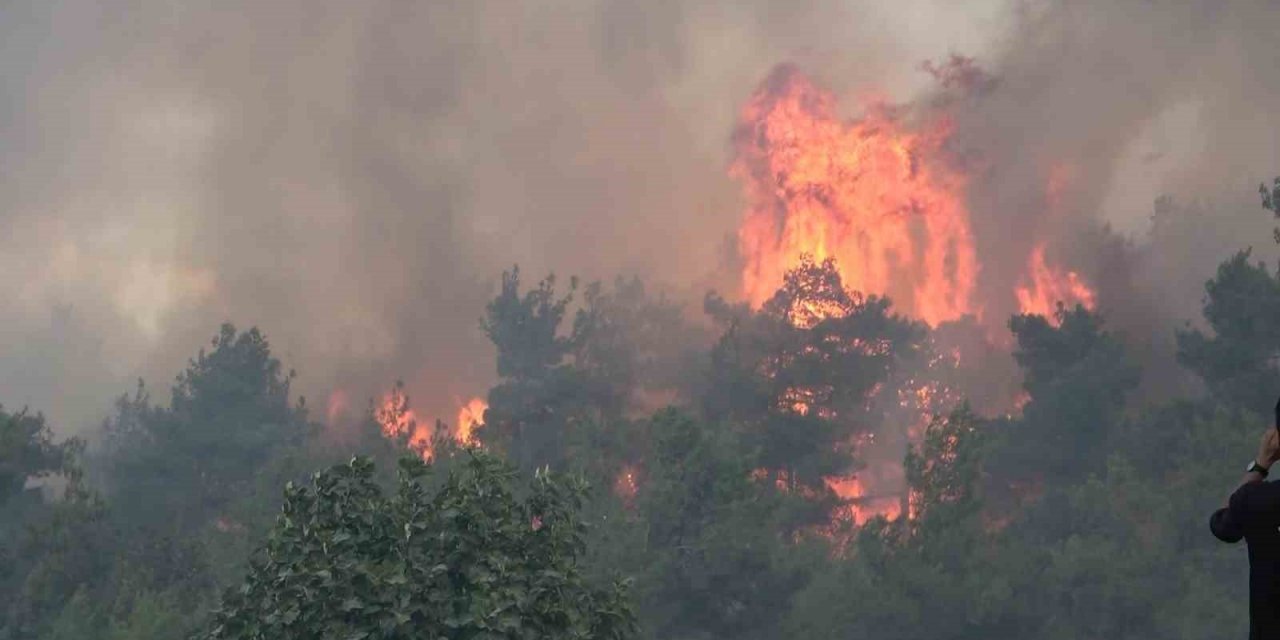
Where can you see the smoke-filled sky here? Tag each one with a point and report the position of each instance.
(352, 177)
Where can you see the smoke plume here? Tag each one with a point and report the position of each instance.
(353, 177)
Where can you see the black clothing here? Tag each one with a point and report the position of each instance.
(1253, 513)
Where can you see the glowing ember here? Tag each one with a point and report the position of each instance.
(625, 485)
(470, 416)
(1045, 287)
(801, 401)
(870, 193)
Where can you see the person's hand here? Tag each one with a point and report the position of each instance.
(1268, 448)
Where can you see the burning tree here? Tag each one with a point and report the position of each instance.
(811, 379)
(875, 194)
(886, 195)
(931, 576)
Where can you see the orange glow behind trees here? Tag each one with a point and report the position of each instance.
(398, 421)
(843, 213)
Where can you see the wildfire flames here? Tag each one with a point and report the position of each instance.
(878, 196)
(882, 197)
(885, 200)
(470, 416)
(870, 193)
(864, 505)
(879, 491)
(397, 420)
(1045, 287)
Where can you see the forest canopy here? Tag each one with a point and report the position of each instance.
(812, 467)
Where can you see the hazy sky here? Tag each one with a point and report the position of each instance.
(352, 177)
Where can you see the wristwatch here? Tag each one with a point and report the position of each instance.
(1254, 467)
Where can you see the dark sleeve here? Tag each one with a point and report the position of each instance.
(1255, 505)
(1224, 528)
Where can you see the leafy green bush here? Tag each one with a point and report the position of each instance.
(468, 559)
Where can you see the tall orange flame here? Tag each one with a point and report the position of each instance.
(470, 416)
(870, 193)
(396, 420)
(1044, 287)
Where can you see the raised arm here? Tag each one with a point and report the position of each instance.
(1254, 503)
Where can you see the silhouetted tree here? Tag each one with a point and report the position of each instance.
(1238, 359)
(230, 414)
(28, 452)
(566, 394)
(1076, 376)
(713, 558)
(815, 367)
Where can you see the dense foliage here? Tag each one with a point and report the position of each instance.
(808, 373)
(229, 417)
(1238, 360)
(711, 453)
(468, 560)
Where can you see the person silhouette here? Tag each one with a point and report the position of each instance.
(1253, 513)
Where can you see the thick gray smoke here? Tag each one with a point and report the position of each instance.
(352, 176)
(1124, 102)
